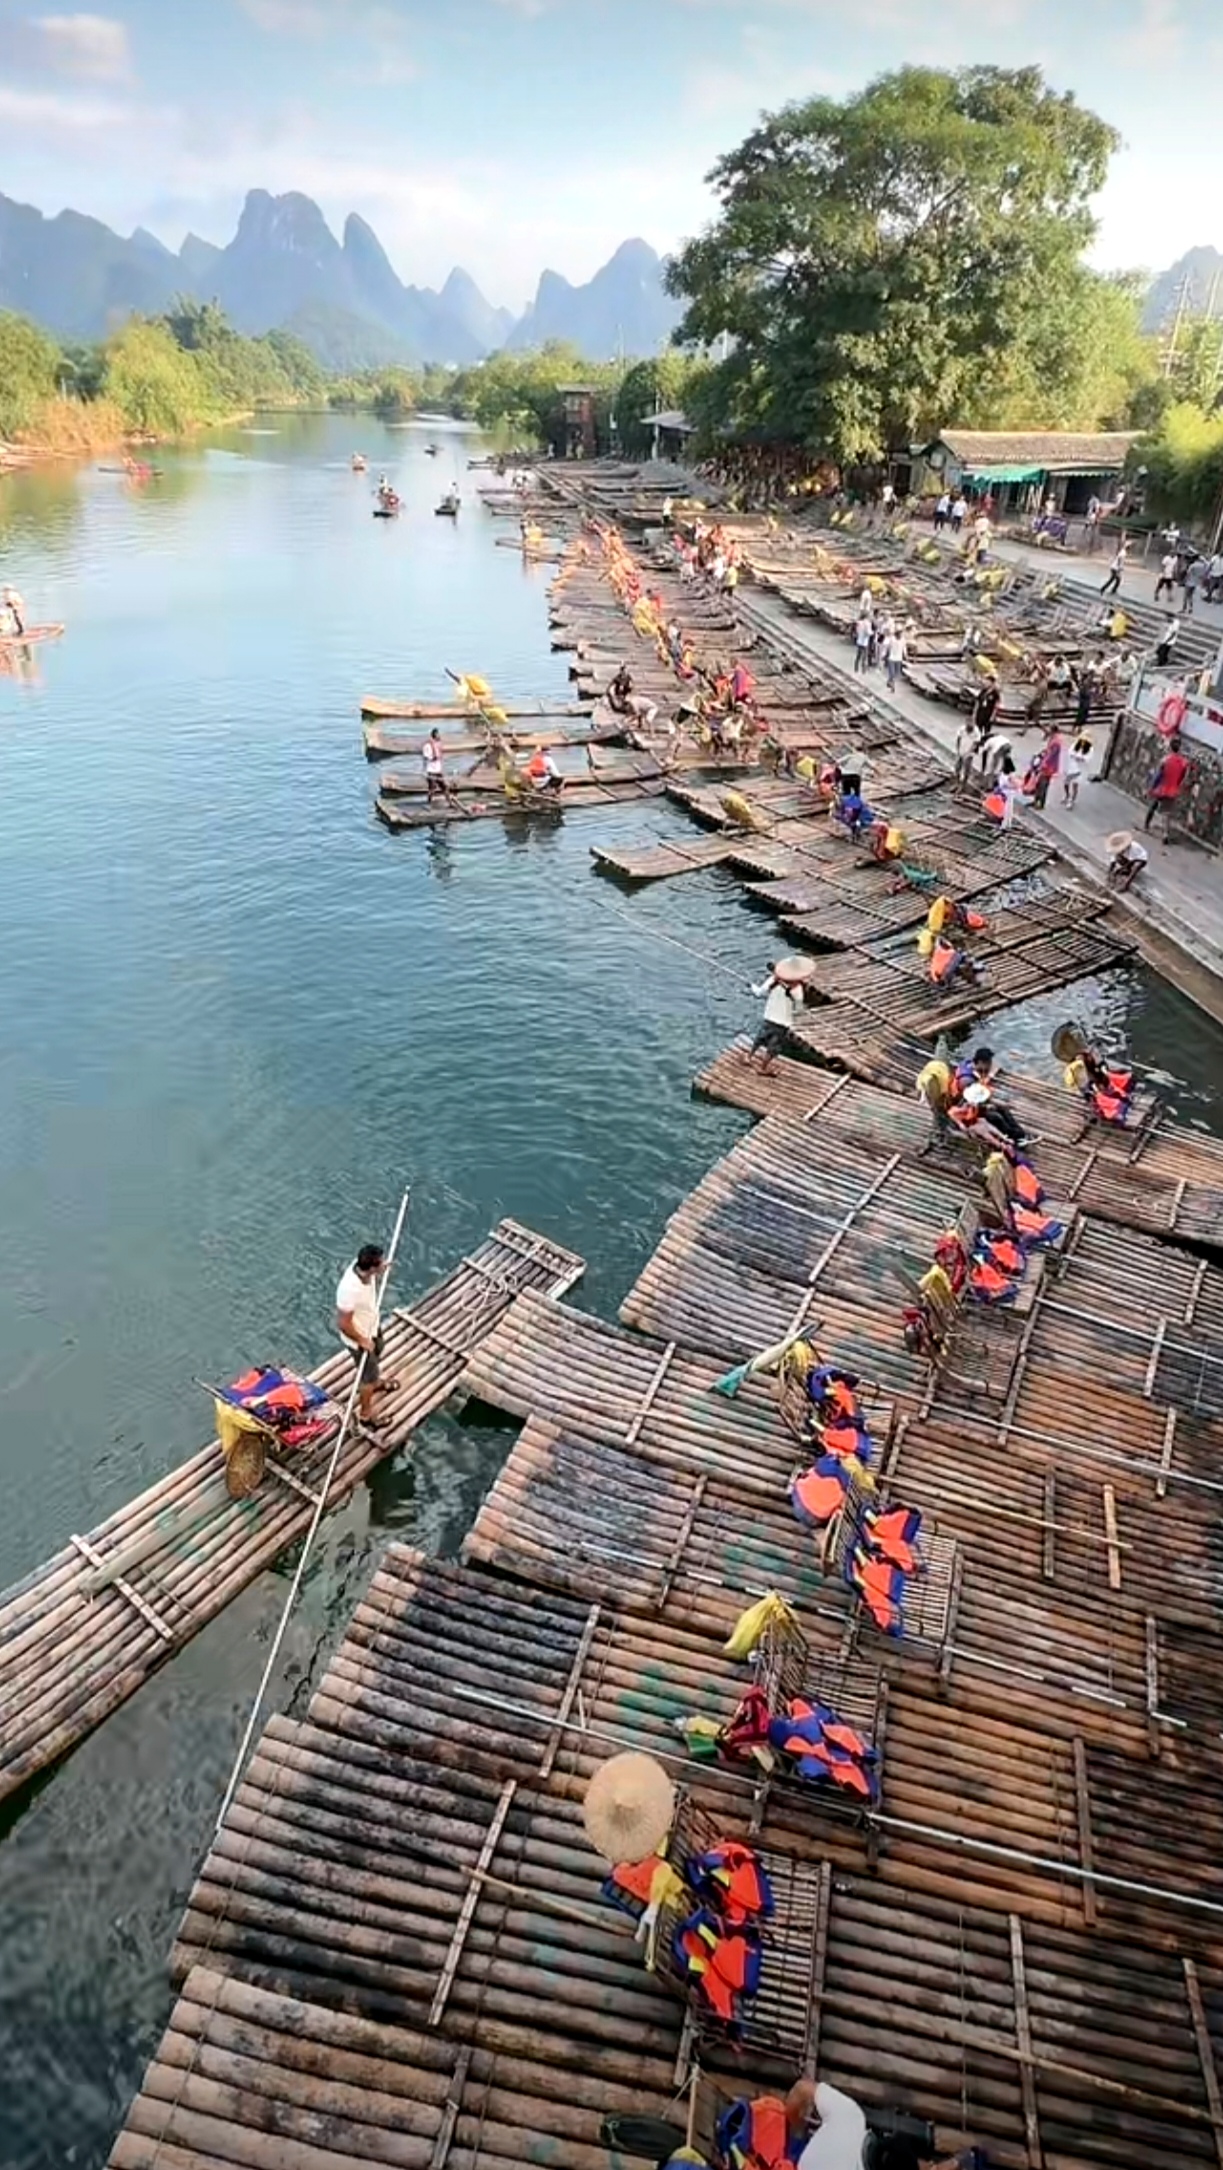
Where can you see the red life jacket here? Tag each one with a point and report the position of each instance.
(537, 766)
(989, 1284)
(1027, 1183)
(945, 960)
(994, 804)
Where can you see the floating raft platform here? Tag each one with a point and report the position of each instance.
(382, 745)
(580, 792)
(374, 710)
(84, 1632)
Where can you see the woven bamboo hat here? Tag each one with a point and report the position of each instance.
(1067, 1043)
(794, 969)
(1119, 841)
(628, 1808)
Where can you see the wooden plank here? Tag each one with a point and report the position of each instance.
(453, 2109)
(470, 1902)
(570, 1691)
(651, 1393)
(680, 1546)
(1154, 1739)
(1165, 1455)
(1205, 2050)
(1023, 2039)
(1110, 1525)
(125, 1589)
(1157, 1343)
(819, 1967)
(1049, 1543)
(1082, 1800)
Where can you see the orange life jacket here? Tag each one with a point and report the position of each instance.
(537, 766)
(945, 960)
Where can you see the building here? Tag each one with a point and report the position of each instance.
(672, 431)
(577, 422)
(1021, 468)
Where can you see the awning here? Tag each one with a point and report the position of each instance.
(1006, 474)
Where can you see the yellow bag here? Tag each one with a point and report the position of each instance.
(768, 1611)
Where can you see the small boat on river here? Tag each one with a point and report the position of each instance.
(388, 506)
(449, 507)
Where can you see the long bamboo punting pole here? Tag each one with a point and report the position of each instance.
(312, 1531)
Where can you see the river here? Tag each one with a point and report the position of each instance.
(238, 1018)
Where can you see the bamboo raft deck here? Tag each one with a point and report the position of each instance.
(1116, 1175)
(83, 1632)
(397, 1951)
(622, 768)
(580, 793)
(383, 745)
(374, 710)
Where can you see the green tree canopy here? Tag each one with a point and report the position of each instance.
(1184, 463)
(29, 372)
(874, 259)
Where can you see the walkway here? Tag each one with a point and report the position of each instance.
(1180, 907)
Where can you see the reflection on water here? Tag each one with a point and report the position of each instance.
(241, 1017)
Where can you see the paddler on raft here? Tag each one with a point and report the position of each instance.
(784, 996)
(356, 1303)
(433, 762)
(12, 614)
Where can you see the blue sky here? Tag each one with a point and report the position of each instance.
(510, 134)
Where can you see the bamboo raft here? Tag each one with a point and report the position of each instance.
(374, 710)
(382, 745)
(82, 1633)
(580, 792)
(621, 768)
(398, 1950)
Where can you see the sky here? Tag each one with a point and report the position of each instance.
(510, 135)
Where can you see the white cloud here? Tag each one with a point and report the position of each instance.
(88, 48)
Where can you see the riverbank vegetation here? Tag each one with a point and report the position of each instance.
(157, 377)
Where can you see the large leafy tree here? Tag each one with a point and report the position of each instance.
(874, 259)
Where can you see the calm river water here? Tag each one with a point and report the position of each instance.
(237, 1018)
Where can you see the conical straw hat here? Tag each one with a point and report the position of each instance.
(1119, 841)
(794, 968)
(628, 1808)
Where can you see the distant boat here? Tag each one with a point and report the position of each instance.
(388, 505)
(359, 463)
(431, 451)
(31, 634)
(449, 507)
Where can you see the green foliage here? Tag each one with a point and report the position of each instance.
(396, 395)
(29, 372)
(1085, 363)
(648, 388)
(160, 388)
(1195, 364)
(1184, 463)
(521, 392)
(876, 261)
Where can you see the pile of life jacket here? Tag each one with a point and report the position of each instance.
(1108, 1093)
(283, 1401)
(825, 1751)
(754, 2135)
(839, 1428)
(1030, 1225)
(717, 1947)
(882, 1562)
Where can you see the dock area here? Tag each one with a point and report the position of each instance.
(85, 1631)
(401, 1947)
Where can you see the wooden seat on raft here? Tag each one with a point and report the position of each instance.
(854, 1687)
(931, 1595)
(776, 2023)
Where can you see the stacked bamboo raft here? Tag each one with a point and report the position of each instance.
(83, 1632)
(398, 1948)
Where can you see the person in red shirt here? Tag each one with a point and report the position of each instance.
(1166, 786)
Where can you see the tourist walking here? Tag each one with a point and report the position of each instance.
(864, 635)
(895, 655)
(356, 1303)
(942, 512)
(1167, 642)
(959, 512)
(1167, 574)
(1117, 566)
(1167, 784)
(1073, 766)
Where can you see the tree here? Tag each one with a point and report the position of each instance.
(1195, 364)
(873, 259)
(159, 389)
(29, 372)
(1184, 467)
(1086, 363)
(648, 388)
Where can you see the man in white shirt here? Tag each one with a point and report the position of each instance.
(895, 655)
(839, 2138)
(784, 1001)
(356, 1303)
(1167, 574)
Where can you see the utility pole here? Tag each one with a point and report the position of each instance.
(1183, 294)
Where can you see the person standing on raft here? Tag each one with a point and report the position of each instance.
(783, 990)
(434, 766)
(356, 1303)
